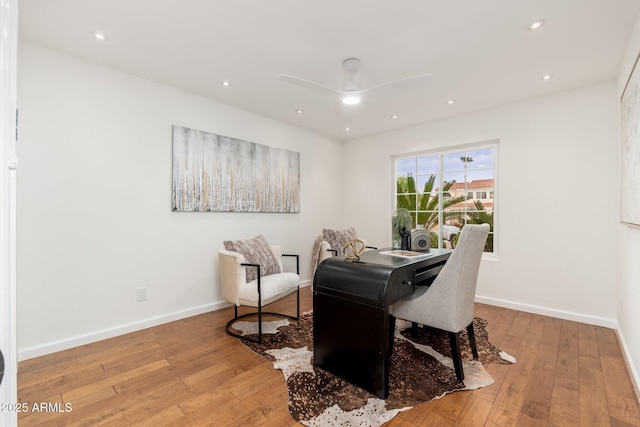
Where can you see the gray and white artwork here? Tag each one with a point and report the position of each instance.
(214, 173)
(630, 150)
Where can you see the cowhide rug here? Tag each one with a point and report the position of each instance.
(421, 370)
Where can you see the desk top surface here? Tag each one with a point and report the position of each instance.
(378, 278)
(387, 258)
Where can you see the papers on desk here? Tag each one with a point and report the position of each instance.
(406, 254)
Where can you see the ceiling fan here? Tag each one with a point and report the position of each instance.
(352, 92)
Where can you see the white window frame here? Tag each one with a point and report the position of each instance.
(494, 144)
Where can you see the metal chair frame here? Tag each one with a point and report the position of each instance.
(260, 313)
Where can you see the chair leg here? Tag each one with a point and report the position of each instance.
(472, 340)
(455, 355)
(260, 313)
(260, 322)
(414, 329)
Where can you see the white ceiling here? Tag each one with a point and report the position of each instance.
(479, 52)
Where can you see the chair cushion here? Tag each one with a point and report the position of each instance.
(256, 251)
(270, 286)
(338, 238)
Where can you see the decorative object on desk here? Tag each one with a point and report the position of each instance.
(420, 240)
(214, 173)
(405, 235)
(405, 254)
(353, 249)
(401, 218)
(419, 373)
(630, 149)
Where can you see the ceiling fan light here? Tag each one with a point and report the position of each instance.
(351, 99)
(100, 36)
(534, 25)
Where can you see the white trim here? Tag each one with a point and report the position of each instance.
(103, 334)
(305, 283)
(635, 378)
(544, 311)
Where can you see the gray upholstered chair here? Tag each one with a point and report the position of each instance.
(256, 278)
(448, 304)
(330, 244)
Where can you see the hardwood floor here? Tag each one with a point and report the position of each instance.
(190, 372)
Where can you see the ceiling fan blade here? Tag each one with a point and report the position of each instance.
(406, 83)
(307, 83)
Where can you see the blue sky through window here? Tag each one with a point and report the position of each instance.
(421, 167)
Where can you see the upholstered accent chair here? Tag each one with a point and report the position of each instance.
(448, 304)
(331, 243)
(252, 275)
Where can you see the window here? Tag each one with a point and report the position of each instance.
(437, 189)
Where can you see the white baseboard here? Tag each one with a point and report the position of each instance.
(578, 317)
(635, 378)
(88, 338)
(545, 311)
(67, 343)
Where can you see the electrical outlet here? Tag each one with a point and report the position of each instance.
(141, 294)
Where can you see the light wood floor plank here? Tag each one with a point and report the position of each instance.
(191, 373)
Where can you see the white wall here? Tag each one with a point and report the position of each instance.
(94, 202)
(556, 195)
(629, 291)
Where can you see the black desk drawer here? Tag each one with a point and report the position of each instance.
(426, 275)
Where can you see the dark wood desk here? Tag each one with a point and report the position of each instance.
(352, 329)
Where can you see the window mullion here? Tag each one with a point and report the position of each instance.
(440, 201)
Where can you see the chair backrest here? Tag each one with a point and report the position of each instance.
(455, 286)
(233, 275)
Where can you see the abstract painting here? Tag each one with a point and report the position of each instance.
(214, 173)
(630, 150)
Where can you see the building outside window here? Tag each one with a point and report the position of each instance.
(438, 188)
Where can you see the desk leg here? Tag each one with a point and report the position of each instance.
(392, 332)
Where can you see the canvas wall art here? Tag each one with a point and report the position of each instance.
(214, 173)
(630, 150)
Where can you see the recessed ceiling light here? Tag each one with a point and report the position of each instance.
(395, 116)
(547, 77)
(347, 129)
(451, 101)
(534, 25)
(100, 36)
(226, 83)
(299, 111)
